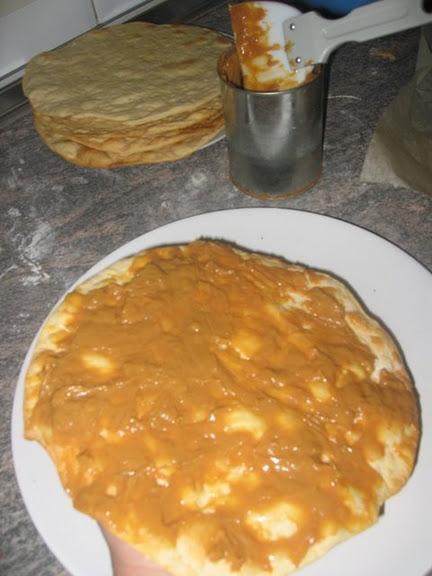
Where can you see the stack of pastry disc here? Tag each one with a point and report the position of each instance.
(134, 93)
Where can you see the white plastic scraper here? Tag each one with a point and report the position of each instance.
(276, 44)
(261, 46)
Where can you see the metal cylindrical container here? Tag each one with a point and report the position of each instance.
(274, 138)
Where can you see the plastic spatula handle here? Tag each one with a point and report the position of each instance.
(312, 38)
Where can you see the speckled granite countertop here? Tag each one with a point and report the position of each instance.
(57, 220)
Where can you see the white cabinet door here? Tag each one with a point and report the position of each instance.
(28, 27)
(120, 10)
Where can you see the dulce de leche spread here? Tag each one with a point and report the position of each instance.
(263, 61)
(212, 388)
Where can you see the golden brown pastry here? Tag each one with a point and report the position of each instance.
(128, 94)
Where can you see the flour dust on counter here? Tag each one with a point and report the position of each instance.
(31, 246)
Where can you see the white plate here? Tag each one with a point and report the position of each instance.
(392, 284)
(214, 140)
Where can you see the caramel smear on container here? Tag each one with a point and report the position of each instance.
(218, 391)
(261, 69)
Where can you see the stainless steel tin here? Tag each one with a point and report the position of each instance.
(274, 138)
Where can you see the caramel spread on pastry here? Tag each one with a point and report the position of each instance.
(222, 411)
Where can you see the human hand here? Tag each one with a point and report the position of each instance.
(126, 561)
